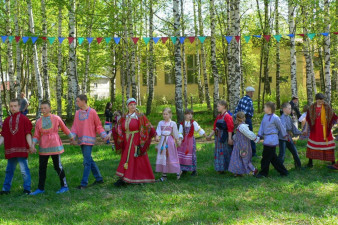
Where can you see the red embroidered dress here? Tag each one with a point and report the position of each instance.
(14, 130)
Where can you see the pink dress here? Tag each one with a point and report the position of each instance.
(86, 124)
(167, 158)
(46, 134)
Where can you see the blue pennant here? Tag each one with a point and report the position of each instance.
(90, 39)
(325, 34)
(61, 39)
(25, 39)
(117, 40)
(34, 39)
(4, 38)
(257, 36)
(291, 35)
(182, 40)
(156, 39)
(228, 38)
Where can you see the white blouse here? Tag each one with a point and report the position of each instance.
(197, 128)
(244, 129)
(162, 129)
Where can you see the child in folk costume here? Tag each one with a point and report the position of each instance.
(16, 133)
(50, 144)
(292, 130)
(320, 118)
(269, 129)
(167, 158)
(240, 162)
(187, 150)
(305, 126)
(85, 127)
(223, 128)
(133, 136)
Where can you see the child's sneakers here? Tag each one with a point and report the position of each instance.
(62, 190)
(37, 192)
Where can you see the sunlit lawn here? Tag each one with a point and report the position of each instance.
(308, 196)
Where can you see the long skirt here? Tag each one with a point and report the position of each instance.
(167, 158)
(222, 153)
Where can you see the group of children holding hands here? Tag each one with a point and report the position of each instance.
(132, 134)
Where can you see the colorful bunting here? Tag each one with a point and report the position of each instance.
(90, 39)
(61, 39)
(156, 39)
(17, 38)
(4, 38)
(267, 37)
(202, 38)
(238, 38)
(277, 37)
(164, 39)
(173, 39)
(51, 39)
(311, 35)
(182, 40)
(44, 38)
(25, 39)
(135, 40)
(146, 40)
(80, 40)
(291, 35)
(10, 38)
(117, 40)
(257, 36)
(324, 34)
(302, 35)
(335, 32)
(70, 39)
(191, 39)
(107, 39)
(228, 38)
(34, 39)
(247, 38)
(99, 39)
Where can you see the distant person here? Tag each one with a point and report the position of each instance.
(304, 123)
(24, 104)
(109, 118)
(245, 105)
(295, 114)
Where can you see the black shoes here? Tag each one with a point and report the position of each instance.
(5, 192)
(194, 173)
(98, 182)
(26, 192)
(119, 183)
(260, 176)
(80, 187)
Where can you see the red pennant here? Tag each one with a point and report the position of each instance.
(301, 35)
(135, 40)
(17, 39)
(335, 32)
(191, 39)
(238, 38)
(99, 39)
(70, 39)
(44, 38)
(164, 39)
(267, 37)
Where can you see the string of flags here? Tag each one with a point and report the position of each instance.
(146, 40)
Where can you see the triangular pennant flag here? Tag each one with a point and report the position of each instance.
(311, 35)
(156, 39)
(257, 36)
(90, 39)
(335, 32)
(10, 38)
(70, 39)
(202, 39)
(228, 38)
(291, 35)
(164, 39)
(146, 40)
(247, 38)
(107, 39)
(4, 38)
(80, 40)
(267, 37)
(99, 39)
(25, 39)
(324, 34)
(277, 37)
(34, 39)
(117, 40)
(182, 40)
(135, 40)
(302, 35)
(238, 38)
(61, 39)
(191, 39)
(173, 39)
(44, 38)
(17, 38)
(51, 40)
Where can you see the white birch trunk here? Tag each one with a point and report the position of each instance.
(46, 95)
(199, 82)
(184, 67)
(18, 52)
(60, 69)
(150, 60)
(327, 43)
(10, 51)
(293, 60)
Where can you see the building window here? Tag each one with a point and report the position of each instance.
(95, 85)
(283, 79)
(169, 73)
(263, 79)
(192, 69)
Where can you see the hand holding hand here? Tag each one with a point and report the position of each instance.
(157, 138)
(230, 141)
(32, 149)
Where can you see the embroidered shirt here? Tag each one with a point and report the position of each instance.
(289, 126)
(269, 129)
(197, 128)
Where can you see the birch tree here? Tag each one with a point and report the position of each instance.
(213, 55)
(18, 51)
(10, 68)
(35, 59)
(150, 60)
(60, 69)
(72, 80)
(184, 68)
(178, 71)
(277, 56)
(327, 43)
(293, 60)
(46, 95)
(199, 82)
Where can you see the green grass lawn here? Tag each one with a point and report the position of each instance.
(308, 196)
